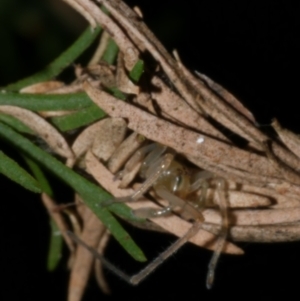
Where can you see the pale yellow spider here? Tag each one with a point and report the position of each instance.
(184, 193)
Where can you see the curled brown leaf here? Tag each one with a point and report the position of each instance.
(42, 128)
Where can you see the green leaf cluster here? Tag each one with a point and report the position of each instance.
(85, 112)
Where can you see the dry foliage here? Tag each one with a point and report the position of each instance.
(261, 175)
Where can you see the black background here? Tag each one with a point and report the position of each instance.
(251, 48)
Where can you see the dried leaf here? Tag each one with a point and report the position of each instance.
(290, 139)
(80, 9)
(240, 199)
(181, 139)
(42, 87)
(100, 49)
(110, 130)
(124, 151)
(125, 45)
(99, 273)
(92, 231)
(260, 234)
(42, 128)
(255, 217)
(267, 234)
(231, 99)
(57, 216)
(109, 136)
(124, 83)
(181, 111)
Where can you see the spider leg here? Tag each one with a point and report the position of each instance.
(200, 182)
(175, 203)
(140, 162)
(153, 174)
(141, 275)
(186, 210)
(151, 212)
(156, 170)
(222, 236)
(147, 154)
(137, 278)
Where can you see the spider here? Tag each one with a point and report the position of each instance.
(184, 192)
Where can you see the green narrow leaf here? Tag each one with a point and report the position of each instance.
(104, 9)
(92, 195)
(117, 93)
(55, 247)
(46, 102)
(111, 52)
(137, 71)
(60, 63)
(13, 171)
(15, 124)
(39, 176)
(56, 240)
(80, 118)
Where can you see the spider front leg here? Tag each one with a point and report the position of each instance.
(223, 205)
(159, 164)
(201, 182)
(141, 275)
(187, 211)
(175, 204)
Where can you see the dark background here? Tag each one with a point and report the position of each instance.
(251, 48)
